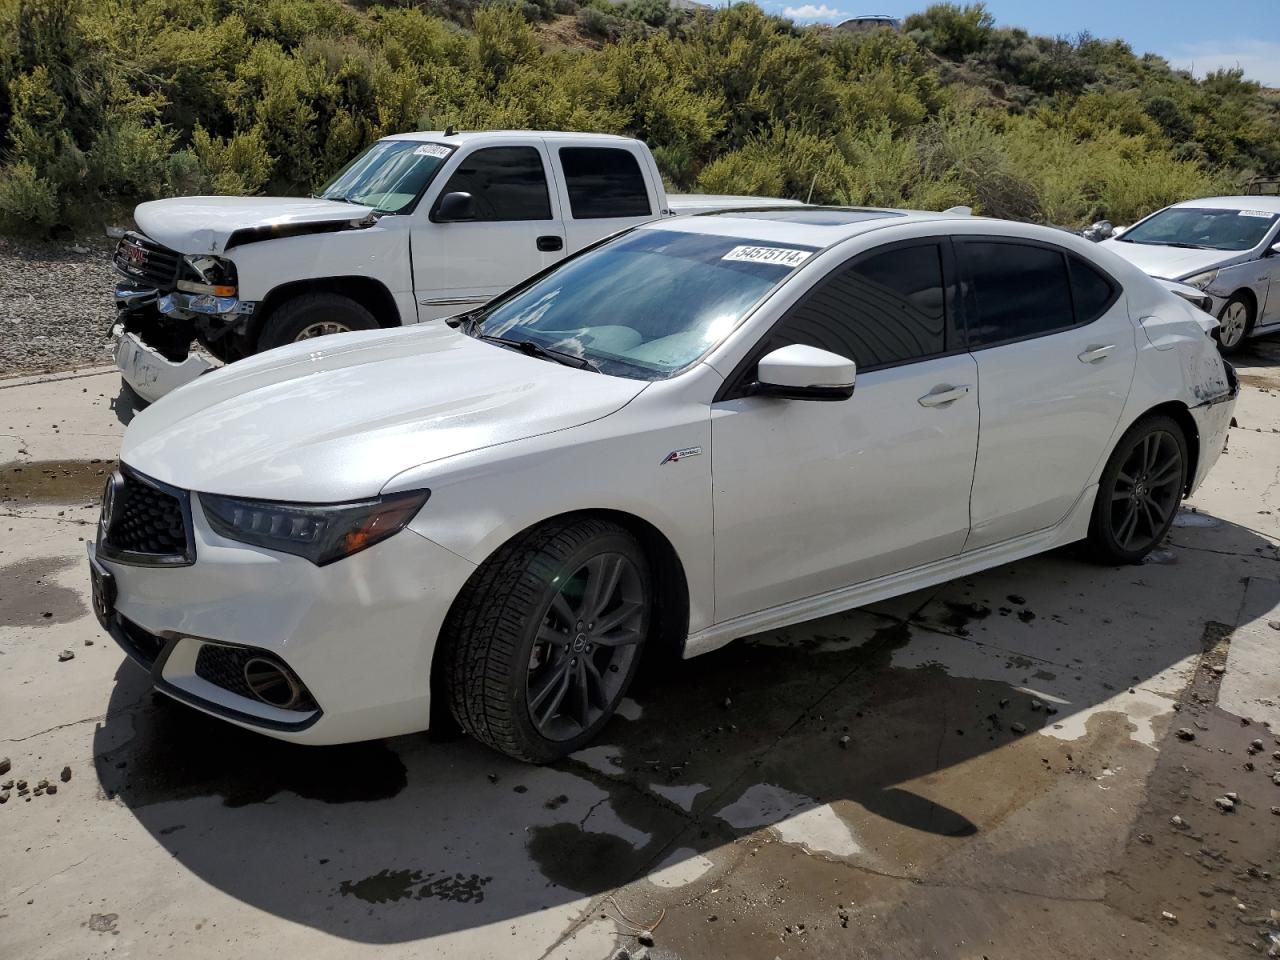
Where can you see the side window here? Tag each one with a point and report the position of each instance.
(603, 182)
(883, 309)
(1092, 291)
(506, 183)
(1013, 291)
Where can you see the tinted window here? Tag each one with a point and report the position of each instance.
(887, 308)
(1013, 290)
(506, 183)
(603, 183)
(1093, 293)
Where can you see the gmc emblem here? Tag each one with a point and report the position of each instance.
(137, 256)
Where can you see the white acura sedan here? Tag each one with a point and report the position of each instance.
(661, 440)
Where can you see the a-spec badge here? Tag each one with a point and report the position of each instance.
(675, 456)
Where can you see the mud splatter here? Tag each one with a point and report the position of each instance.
(103, 922)
(54, 481)
(30, 598)
(390, 886)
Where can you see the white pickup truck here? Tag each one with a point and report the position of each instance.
(418, 227)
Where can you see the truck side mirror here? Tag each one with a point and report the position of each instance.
(455, 207)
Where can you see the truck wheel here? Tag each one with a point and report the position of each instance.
(313, 315)
(544, 639)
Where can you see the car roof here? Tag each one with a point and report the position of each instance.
(1268, 204)
(812, 226)
(462, 137)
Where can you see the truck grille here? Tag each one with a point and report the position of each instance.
(144, 261)
(145, 522)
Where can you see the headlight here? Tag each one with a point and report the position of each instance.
(1201, 281)
(211, 275)
(322, 533)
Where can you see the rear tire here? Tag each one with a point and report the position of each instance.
(312, 315)
(1235, 324)
(545, 638)
(1139, 492)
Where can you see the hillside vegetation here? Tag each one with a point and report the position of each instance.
(109, 102)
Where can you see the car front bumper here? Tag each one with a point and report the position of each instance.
(358, 634)
(151, 373)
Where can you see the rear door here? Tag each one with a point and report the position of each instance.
(1056, 352)
(517, 231)
(814, 496)
(603, 189)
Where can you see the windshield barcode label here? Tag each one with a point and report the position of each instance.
(431, 150)
(781, 256)
(1257, 213)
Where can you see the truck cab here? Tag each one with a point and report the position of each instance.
(418, 227)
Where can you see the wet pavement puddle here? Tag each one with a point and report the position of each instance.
(54, 481)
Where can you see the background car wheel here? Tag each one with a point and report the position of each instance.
(542, 643)
(1235, 323)
(1139, 492)
(313, 315)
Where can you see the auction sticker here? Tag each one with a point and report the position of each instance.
(1256, 213)
(431, 150)
(782, 256)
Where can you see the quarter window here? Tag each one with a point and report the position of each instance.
(603, 182)
(506, 183)
(884, 309)
(1013, 291)
(1093, 293)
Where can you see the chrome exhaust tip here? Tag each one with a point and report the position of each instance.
(272, 684)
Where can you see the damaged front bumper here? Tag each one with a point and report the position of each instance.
(156, 335)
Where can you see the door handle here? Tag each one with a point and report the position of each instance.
(548, 244)
(942, 395)
(1096, 352)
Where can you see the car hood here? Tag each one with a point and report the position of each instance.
(1172, 263)
(335, 419)
(212, 224)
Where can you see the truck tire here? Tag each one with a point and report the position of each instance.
(313, 315)
(543, 641)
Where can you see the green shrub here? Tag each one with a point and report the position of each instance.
(26, 199)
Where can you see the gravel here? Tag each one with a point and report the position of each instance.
(55, 304)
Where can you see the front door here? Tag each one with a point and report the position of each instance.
(516, 232)
(814, 496)
(1056, 353)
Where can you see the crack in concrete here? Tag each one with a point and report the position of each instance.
(71, 866)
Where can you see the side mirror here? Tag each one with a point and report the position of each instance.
(1116, 231)
(455, 207)
(800, 372)
(1273, 250)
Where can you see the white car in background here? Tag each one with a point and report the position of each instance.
(1226, 247)
(703, 428)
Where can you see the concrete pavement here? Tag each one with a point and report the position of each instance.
(987, 769)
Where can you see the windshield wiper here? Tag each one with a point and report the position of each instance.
(531, 349)
(1187, 246)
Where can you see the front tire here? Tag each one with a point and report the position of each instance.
(1235, 323)
(542, 643)
(1139, 492)
(313, 315)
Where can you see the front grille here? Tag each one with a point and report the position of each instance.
(148, 522)
(146, 262)
(224, 667)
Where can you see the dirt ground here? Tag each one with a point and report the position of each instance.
(1028, 762)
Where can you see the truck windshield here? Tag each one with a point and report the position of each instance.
(390, 175)
(646, 305)
(1203, 228)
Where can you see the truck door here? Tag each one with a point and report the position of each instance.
(512, 230)
(603, 189)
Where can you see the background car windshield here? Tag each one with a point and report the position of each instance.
(1203, 228)
(648, 304)
(390, 175)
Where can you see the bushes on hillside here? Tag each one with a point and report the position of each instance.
(108, 102)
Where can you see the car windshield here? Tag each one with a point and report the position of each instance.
(646, 305)
(390, 175)
(1202, 228)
